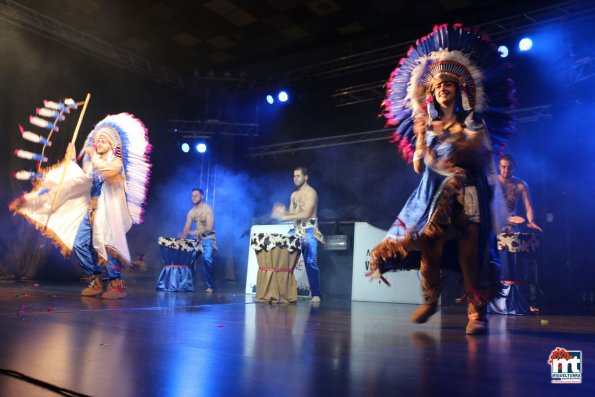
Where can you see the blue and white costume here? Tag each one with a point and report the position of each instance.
(93, 213)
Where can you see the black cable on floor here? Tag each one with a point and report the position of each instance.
(40, 383)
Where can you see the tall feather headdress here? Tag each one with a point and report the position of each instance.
(457, 54)
(129, 139)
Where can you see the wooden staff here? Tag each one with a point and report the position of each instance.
(66, 159)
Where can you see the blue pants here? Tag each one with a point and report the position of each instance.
(516, 276)
(310, 251)
(207, 261)
(87, 256)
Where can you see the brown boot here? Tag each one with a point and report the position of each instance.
(424, 312)
(477, 314)
(476, 327)
(430, 305)
(95, 286)
(115, 290)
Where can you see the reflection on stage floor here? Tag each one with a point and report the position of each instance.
(223, 344)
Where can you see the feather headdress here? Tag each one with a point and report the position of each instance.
(129, 139)
(456, 54)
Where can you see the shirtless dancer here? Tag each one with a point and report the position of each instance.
(202, 215)
(513, 189)
(303, 207)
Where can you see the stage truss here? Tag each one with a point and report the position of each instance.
(30, 19)
(532, 114)
(197, 129)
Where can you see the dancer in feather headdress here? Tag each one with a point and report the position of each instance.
(447, 100)
(88, 210)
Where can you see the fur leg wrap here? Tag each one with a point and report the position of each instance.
(384, 253)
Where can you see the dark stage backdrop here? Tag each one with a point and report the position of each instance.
(363, 182)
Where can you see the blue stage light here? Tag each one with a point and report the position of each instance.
(283, 96)
(503, 50)
(185, 147)
(201, 147)
(525, 44)
(270, 99)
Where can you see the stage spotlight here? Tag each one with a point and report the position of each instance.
(201, 147)
(525, 44)
(503, 50)
(185, 147)
(283, 96)
(270, 99)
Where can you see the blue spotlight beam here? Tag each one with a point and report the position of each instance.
(525, 44)
(201, 147)
(503, 50)
(283, 96)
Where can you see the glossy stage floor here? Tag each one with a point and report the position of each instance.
(224, 344)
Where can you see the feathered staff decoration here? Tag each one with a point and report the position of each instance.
(56, 112)
(46, 118)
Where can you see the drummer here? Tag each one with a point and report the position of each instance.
(201, 214)
(303, 206)
(513, 189)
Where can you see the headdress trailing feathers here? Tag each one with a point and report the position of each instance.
(129, 139)
(450, 53)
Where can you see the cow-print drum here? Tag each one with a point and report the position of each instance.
(178, 256)
(518, 242)
(277, 256)
(178, 244)
(269, 241)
